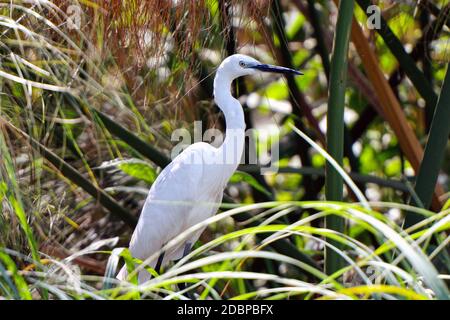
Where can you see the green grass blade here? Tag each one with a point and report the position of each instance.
(7, 286)
(20, 286)
(434, 150)
(335, 123)
(13, 195)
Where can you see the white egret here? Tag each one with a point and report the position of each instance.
(190, 189)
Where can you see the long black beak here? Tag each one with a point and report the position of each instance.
(275, 69)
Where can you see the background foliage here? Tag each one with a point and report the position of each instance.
(86, 117)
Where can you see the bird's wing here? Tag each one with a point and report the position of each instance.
(183, 195)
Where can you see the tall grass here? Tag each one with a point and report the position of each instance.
(86, 113)
(334, 188)
(395, 267)
(434, 150)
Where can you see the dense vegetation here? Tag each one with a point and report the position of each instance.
(91, 92)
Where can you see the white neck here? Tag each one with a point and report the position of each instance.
(233, 145)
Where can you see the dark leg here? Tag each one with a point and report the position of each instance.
(158, 265)
(182, 286)
(187, 249)
(159, 262)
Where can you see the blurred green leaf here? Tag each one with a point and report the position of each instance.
(138, 169)
(277, 90)
(21, 287)
(240, 176)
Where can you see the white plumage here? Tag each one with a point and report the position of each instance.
(190, 189)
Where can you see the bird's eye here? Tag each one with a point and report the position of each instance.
(242, 63)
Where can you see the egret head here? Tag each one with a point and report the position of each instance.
(238, 65)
